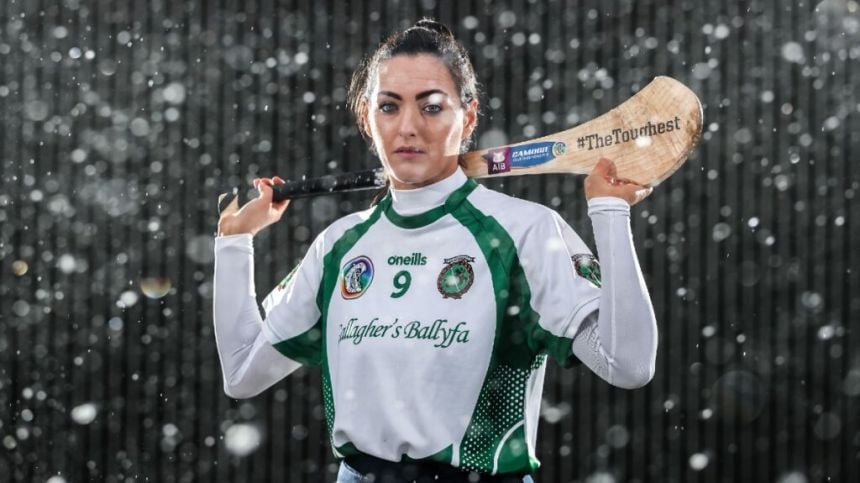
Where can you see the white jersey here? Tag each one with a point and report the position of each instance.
(432, 327)
(432, 330)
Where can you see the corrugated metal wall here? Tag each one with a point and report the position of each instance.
(121, 121)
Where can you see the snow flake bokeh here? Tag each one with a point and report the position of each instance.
(123, 121)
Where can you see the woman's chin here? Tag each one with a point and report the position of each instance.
(405, 176)
(405, 183)
(406, 179)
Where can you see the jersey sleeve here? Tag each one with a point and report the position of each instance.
(248, 362)
(564, 283)
(292, 323)
(624, 335)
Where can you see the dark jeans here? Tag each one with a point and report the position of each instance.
(418, 473)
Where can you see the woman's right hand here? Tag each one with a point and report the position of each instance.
(604, 181)
(256, 214)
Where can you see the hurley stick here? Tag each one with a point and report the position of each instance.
(648, 137)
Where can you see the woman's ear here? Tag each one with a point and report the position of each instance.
(364, 125)
(470, 119)
(363, 121)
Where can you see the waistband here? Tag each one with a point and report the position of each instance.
(421, 471)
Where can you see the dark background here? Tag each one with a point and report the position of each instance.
(121, 121)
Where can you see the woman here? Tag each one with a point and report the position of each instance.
(432, 313)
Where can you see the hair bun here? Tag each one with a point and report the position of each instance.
(430, 24)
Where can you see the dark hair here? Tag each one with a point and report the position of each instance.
(427, 36)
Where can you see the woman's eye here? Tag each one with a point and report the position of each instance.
(432, 108)
(387, 107)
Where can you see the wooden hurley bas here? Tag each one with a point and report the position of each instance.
(648, 137)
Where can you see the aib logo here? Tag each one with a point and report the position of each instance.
(356, 276)
(498, 160)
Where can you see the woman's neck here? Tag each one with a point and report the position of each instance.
(418, 200)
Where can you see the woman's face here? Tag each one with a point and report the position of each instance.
(416, 120)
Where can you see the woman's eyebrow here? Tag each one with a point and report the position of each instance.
(418, 96)
(430, 92)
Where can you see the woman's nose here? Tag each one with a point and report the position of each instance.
(409, 120)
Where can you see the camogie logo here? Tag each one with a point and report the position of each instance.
(456, 276)
(502, 160)
(356, 276)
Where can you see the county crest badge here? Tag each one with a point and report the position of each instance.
(587, 267)
(278, 293)
(456, 276)
(356, 276)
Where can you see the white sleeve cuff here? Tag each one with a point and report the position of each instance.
(607, 204)
(242, 242)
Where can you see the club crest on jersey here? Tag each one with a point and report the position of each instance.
(277, 294)
(356, 276)
(286, 280)
(456, 276)
(587, 267)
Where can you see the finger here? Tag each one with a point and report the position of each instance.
(631, 182)
(258, 188)
(265, 189)
(643, 193)
(277, 180)
(635, 194)
(281, 206)
(606, 170)
(602, 168)
(611, 169)
(232, 207)
(268, 184)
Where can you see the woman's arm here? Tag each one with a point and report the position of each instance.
(619, 341)
(248, 361)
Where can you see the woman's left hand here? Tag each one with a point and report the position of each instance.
(603, 181)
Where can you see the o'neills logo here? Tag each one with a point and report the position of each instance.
(356, 276)
(414, 259)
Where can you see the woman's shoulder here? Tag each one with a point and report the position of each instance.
(510, 208)
(526, 222)
(338, 227)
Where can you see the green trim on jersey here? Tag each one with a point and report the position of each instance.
(305, 348)
(495, 439)
(509, 456)
(428, 217)
(309, 347)
(444, 456)
(347, 449)
(331, 272)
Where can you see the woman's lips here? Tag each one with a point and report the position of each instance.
(408, 153)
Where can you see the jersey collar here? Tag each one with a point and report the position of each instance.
(419, 200)
(443, 197)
